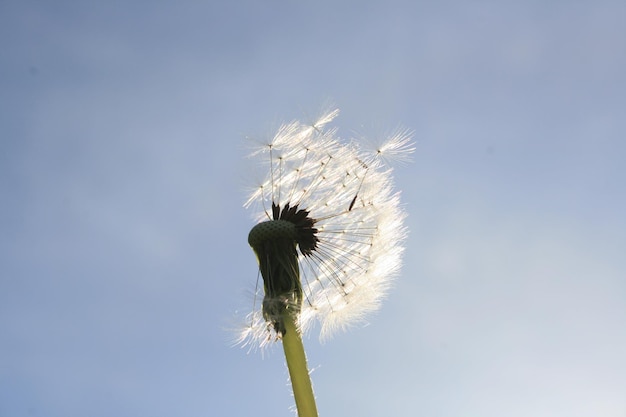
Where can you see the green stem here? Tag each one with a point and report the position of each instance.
(298, 371)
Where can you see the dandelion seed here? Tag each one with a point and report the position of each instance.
(330, 232)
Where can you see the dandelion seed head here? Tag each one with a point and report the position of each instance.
(330, 233)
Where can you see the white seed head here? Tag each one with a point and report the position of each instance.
(357, 220)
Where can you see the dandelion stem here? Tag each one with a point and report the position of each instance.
(298, 370)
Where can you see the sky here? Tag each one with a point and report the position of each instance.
(123, 239)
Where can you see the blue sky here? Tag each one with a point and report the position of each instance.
(123, 253)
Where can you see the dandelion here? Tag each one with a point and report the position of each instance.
(328, 240)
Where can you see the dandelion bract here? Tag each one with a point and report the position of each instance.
(330, 207)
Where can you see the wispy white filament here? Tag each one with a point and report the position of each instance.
(359, 220)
